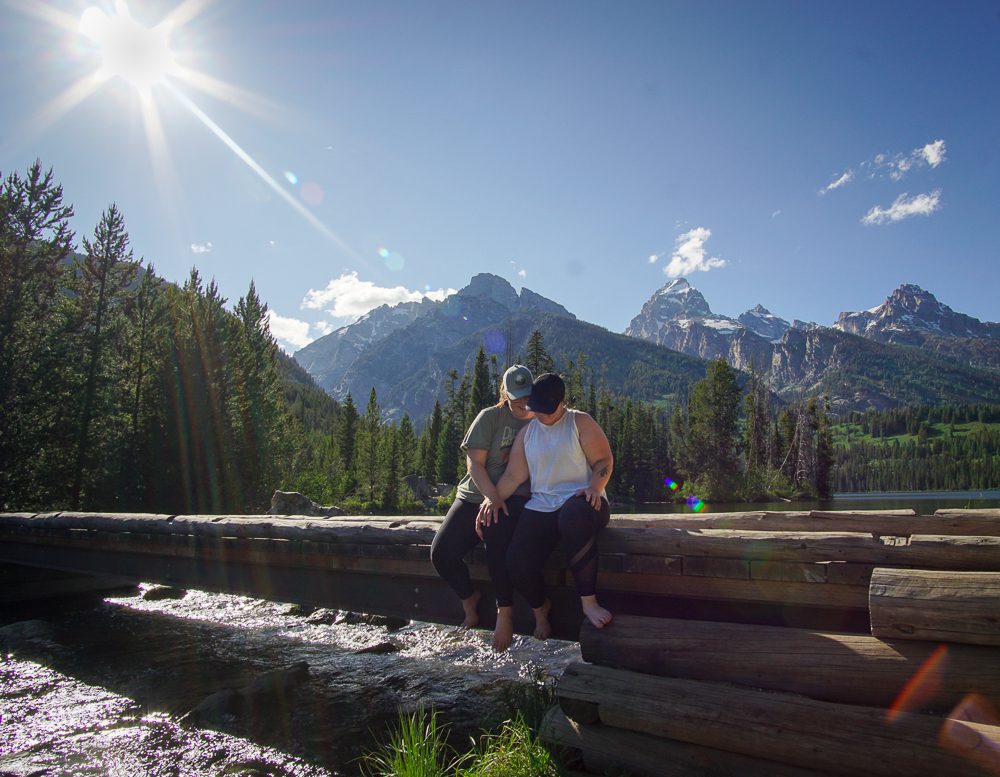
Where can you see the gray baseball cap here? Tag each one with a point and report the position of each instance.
(517, 381)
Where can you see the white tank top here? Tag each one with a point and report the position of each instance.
(556, 462)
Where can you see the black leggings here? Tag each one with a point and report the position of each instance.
(575, 525)
(457, 536)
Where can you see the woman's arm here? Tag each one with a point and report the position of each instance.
(597, 450)
(475, 459)
(513, 476)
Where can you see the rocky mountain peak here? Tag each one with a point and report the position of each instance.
(763, 322)
(493, 287)
(908, 315)
(677, 297)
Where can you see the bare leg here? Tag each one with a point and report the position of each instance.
(596, 614)
(471, 615)
(503, 634)
(542, 626)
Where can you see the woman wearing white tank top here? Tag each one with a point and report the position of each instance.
(568, 458)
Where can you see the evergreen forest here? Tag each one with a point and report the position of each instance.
(122, 392)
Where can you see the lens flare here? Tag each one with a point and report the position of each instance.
(695, 504)
(291, 177)
(670, 484)
(312, 193)
(393, 261)
(494, 341)
(922, 687)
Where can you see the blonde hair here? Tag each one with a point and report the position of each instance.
(503, 395)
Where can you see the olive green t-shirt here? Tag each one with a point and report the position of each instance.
(493, 431)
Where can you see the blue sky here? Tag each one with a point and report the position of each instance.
(809, 156)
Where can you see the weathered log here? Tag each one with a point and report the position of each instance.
(852, 597)
(979, 553)
(818, 735)
(882, 522)
(925, 551)
(608, 750)
(936, 605)
(846, 668)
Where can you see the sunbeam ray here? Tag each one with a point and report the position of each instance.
(250, 162)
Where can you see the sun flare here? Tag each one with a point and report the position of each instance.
(144, 58)
(139, 55)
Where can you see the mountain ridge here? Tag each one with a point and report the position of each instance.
(407, 351)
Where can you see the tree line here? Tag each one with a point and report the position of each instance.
(120, 391)
(123, 392)
(919, 448)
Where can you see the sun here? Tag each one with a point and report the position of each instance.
(139, 55)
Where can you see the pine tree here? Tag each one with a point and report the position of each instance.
(482, 395)
(711, 445)
(262, 441)
(824, 452)
(429, 444)
(367, 460)
(391, 459)
(538, 359)
(35, 346)
(105, 276)
(347, 431)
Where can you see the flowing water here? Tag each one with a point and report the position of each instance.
(213, 684)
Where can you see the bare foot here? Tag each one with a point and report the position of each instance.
(503, 634)
(596, 614)
(542, 626)
(471, 614)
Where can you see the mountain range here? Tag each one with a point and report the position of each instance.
(911, 349)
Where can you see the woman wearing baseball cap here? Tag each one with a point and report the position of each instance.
(487, 445)
(568, 458)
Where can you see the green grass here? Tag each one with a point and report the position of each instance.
(419, 746)
(514, 751)
(416, 748)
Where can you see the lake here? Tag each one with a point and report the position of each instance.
(921, 502)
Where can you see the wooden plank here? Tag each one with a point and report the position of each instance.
(836, 738)
(837, 667)
(959, 607)
(607, 750)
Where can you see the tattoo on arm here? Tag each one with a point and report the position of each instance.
(603, 472)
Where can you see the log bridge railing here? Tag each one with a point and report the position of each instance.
(743, 644)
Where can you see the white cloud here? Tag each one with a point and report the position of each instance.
(201, 248)
(896, 166)
(289, 331)
(349, 297)
(843, 180)
(904, 207)
(934, 153)
(522, 273)
(776, 213)
(689, 255)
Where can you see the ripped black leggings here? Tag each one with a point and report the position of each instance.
(574, 526)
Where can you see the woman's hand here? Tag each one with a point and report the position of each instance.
(489, 513)
(592, 496)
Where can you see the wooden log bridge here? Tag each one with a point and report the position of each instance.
(752, 644)
(802, 569)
